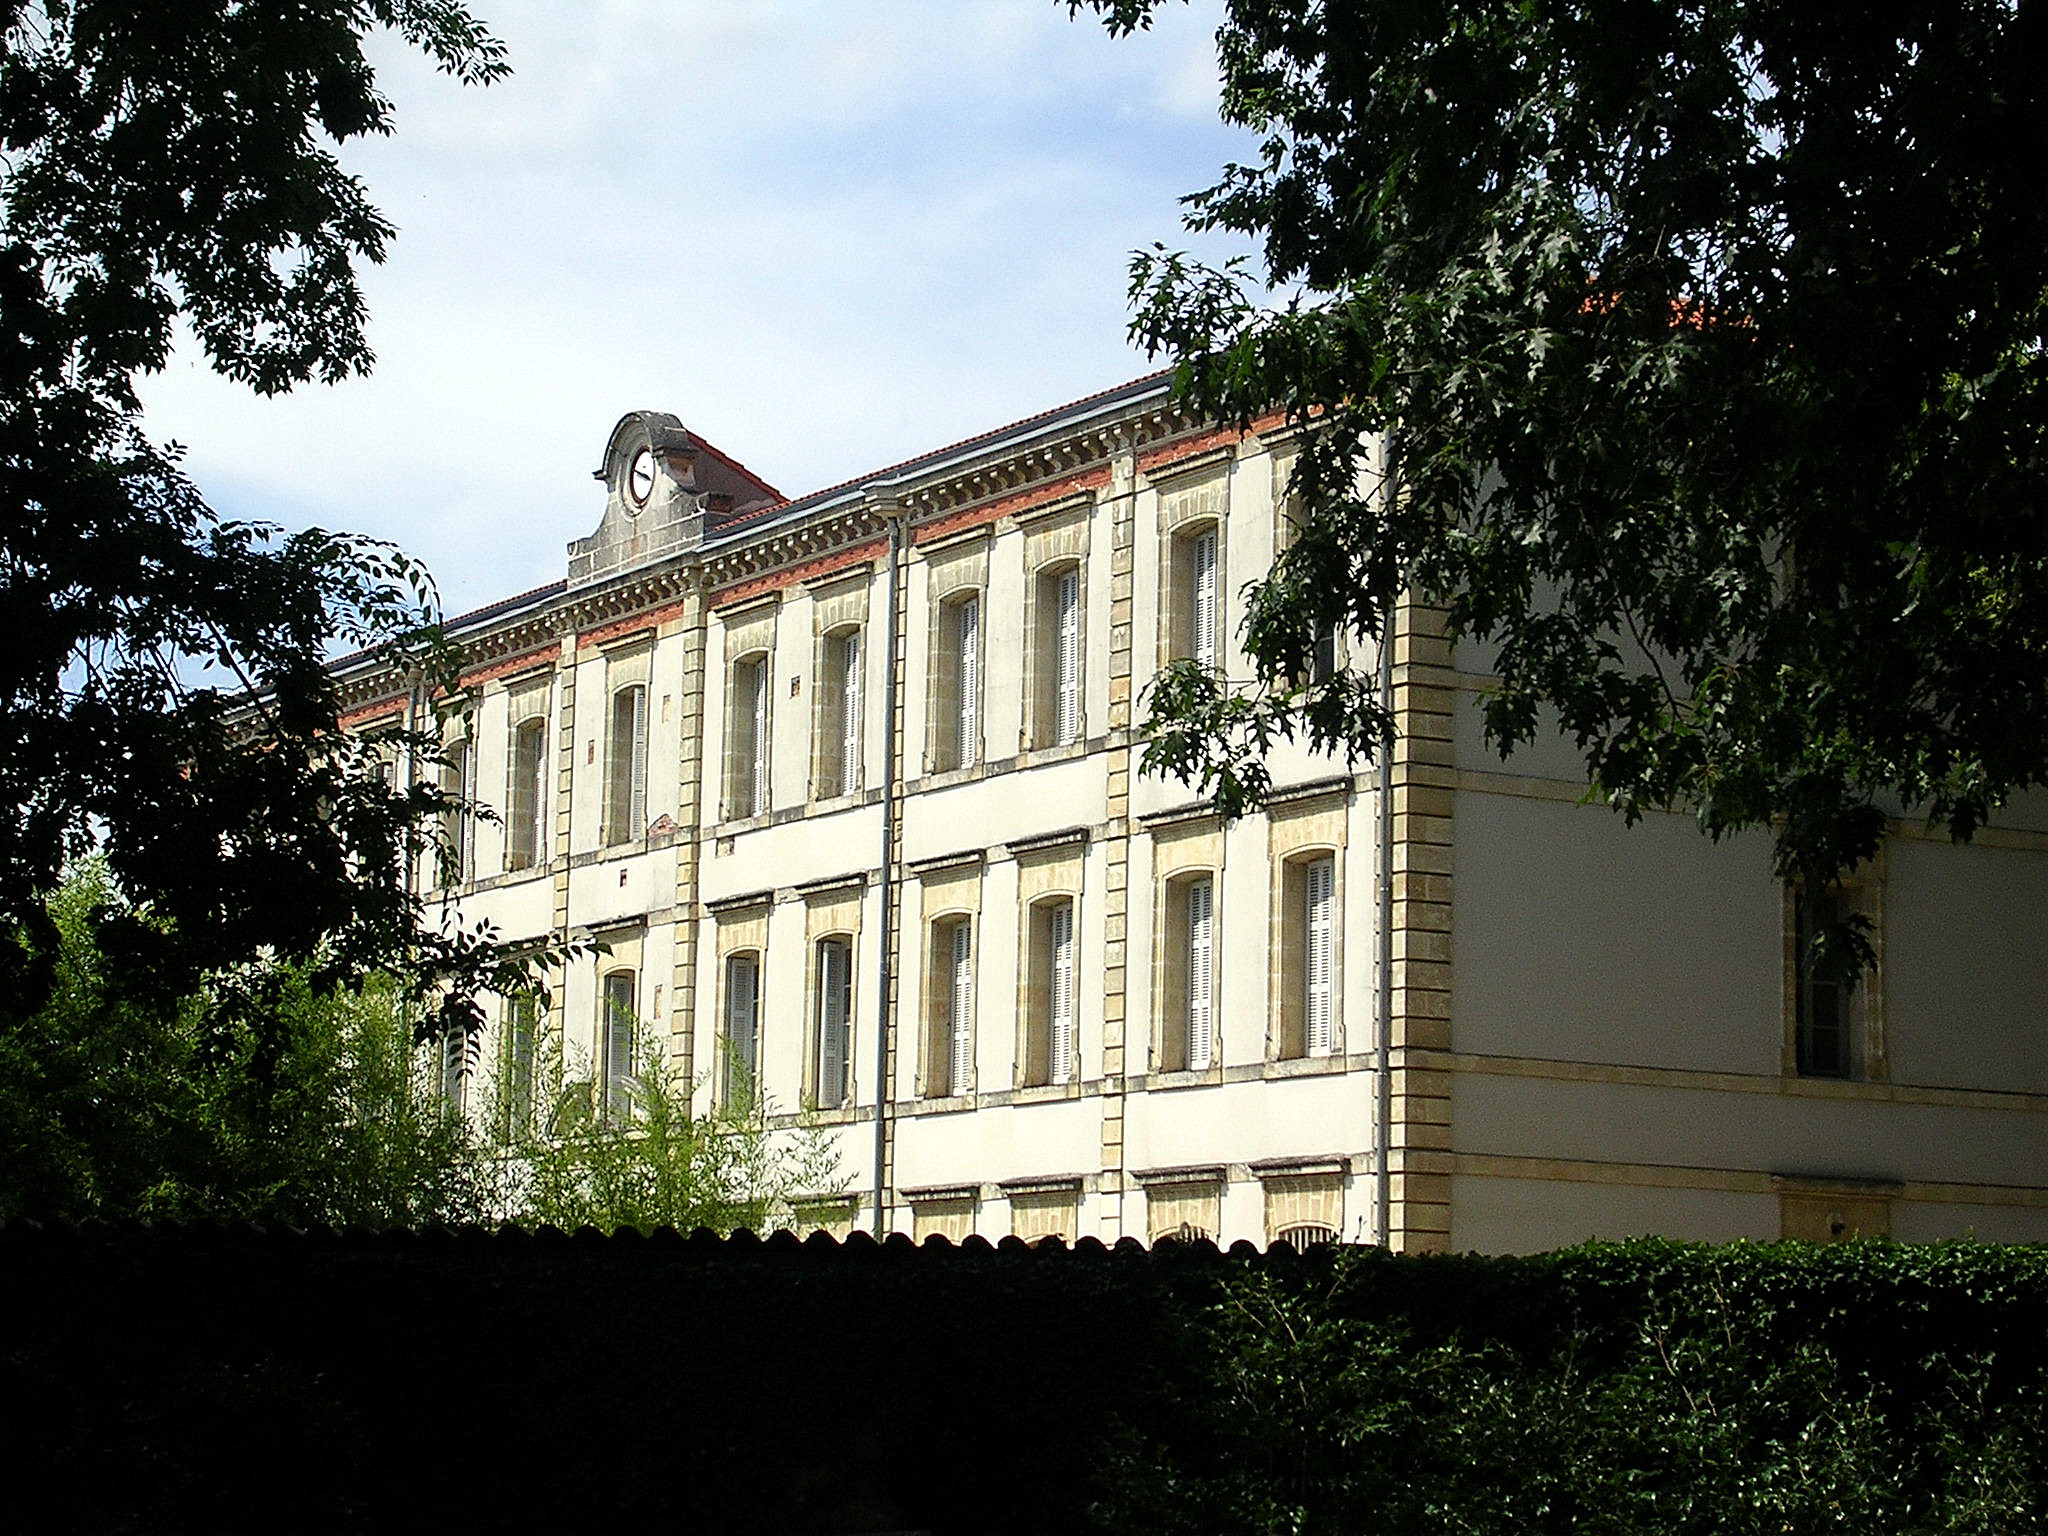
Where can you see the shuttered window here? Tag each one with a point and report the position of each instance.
(458, 783)
(834, 1021)
(849, 712)
(742, 1029)
(522, 1023)
(967, 685)
(747, 750)
(625, 816)
(616, 1031)
(960, 1009)
(1202, 646)
(526, 839)
(1319, 888)
(1060, 992)
(1201, 974)
(1067, 675)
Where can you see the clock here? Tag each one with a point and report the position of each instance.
(640, 477)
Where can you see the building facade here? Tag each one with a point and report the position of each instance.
(848, 786)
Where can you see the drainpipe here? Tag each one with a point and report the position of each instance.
(892, 511)
(1383, 1135)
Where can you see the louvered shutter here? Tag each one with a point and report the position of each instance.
(1062, 1041)
(849, 714)
(962, 1017)
(1205, 598)
(520, 1025)
(742, 989)
(757, 741)
(1318, 1006)
(1068, 703)
(969, 674)
(519, 791)
(832, 1000)
(619, 1009)
(1201, 975)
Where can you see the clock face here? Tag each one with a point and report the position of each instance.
(640, 477)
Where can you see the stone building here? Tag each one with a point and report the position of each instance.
(848, 786)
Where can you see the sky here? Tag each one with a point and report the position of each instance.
(826, 234)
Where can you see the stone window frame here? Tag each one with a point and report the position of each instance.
(1184, 1207)
(1056, 549)
(627, 729)
(619, 1029)
(1862, 1010)
(956, 709)
(839, 615)
(1188, 514)
(529, 766)
(950, 899)
(747, 740)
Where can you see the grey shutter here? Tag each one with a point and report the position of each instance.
(832, 1022)
(1205, 552)
(968, 719)
(1067, 702)
(1201, 974)
(849, 714)
(1062, 1031)
(961, 1017)
(1319, 953)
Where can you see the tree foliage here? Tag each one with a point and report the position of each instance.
(272, 1093)
(164, 690)
(1705, 344)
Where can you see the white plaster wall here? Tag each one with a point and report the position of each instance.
(1966, 966)
(1494, 1215)
(622, 888)
(790, 852)
(1001, 1142)
(979, 813)
(1316, 1116)
(1789, 1127)
(1578, 938)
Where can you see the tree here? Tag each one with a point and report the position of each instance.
(1705, 343)
(164, 690)
(304, 1110)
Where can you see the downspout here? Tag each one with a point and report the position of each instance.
(893, 512)
(1383, 1133)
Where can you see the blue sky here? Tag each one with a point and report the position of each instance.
(827, 234)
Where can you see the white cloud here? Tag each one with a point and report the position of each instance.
(826, 235)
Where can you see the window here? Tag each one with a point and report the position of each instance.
(625, 799)
(1188, 998)
(1824, 994)
(746, 758)
(616, 1032)
(1308, 956)
(1195, 579)
(458, 783)
(837, 765)
(957, 684)
(526, 797)
(949, 1216)
(1303, 1209)
(1041, 1215)
(1057, 658)
(1049, 1038)
(949, 1034)
(831, 1076)
(454, 1054)
(1184, 1212)
(522, 1026)
(742, 1059)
